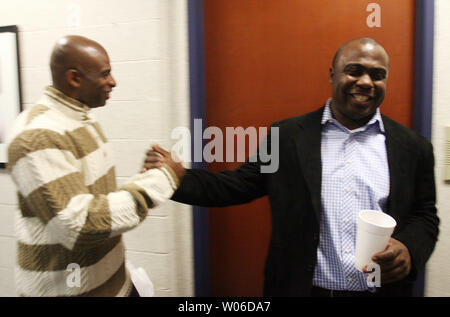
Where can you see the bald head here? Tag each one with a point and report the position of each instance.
(366, 42)
(72, 52)
(80, 69)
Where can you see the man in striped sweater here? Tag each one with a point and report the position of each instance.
(71, 212)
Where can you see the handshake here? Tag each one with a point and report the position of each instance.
(157, 156)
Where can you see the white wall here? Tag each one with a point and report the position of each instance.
(438, 275)
(147, 44)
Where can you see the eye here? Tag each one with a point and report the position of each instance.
(354, 71)
(378, 74)
(106, 73)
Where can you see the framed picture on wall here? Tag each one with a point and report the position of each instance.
(10, 92)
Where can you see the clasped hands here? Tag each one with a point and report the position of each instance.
(394, 261)
(157, 156)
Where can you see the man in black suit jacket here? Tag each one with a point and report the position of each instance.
(358, 77)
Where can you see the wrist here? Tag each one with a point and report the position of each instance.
(173, 177)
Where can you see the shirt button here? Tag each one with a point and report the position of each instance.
(347, 250)
(349, 279)
(346, 220)
(348, 189)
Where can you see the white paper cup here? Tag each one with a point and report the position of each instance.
(372, 235)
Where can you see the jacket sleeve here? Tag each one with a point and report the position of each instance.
(208, 189)
(232, 187)
(421, 226)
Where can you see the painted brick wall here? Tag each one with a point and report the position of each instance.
(147, 44)
(438, 277)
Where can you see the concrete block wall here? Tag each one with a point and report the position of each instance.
(438, 277)
(147, 44)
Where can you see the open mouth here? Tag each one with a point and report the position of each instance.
(360, 98)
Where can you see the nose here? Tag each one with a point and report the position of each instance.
(365, 81)
(112, 81)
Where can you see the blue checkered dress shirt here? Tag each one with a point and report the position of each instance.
(355, 176)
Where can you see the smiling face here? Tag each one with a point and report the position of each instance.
(81, 69)
(358, 80)
(96, 80)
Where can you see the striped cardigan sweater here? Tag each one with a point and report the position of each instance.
(71, 213)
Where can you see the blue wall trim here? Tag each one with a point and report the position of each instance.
(423, 85)
(424, 48)
(197, 104)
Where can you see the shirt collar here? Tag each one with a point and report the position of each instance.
(328, 117)
(70, 106)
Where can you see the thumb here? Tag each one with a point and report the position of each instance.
(383, 254)
(159, 149)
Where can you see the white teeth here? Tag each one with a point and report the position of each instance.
(361, 98)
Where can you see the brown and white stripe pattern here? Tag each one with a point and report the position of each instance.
(70, 208)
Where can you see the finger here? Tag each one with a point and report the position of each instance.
(389, 267)
(153, 156)
(393, 275)
(365, 269)
(160, 150)
(154, 159)
(153, 153)
(152, 165)
(386, 256)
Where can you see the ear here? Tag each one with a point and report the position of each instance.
(73, 78)
(331, 75)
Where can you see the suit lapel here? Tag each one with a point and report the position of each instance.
(307, 142)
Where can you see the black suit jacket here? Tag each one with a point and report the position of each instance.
(294, 192)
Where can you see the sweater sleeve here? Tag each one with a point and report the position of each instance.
(51, 187)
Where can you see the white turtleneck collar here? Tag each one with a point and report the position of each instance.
(69, 106)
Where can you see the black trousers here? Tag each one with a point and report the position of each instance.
(398, 289)
(322, 292)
